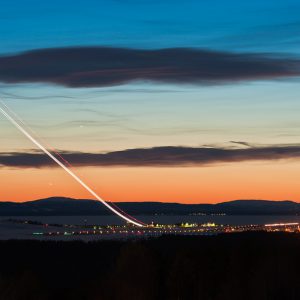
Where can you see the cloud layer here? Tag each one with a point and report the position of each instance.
(157, 156)
(102, 66)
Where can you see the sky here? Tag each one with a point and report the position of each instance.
(191, 102)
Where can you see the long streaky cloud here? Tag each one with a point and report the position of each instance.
(157, 156)
(103, 66)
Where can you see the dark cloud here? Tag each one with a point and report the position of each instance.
(102, 66)
(158, 156)
(241, 143)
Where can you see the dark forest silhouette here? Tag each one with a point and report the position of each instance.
(230, 266)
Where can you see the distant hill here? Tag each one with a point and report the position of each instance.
(67, 206)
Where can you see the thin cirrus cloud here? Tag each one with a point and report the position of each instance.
(169, 156)
(104, 66)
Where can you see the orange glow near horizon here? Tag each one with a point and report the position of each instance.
(271, 181)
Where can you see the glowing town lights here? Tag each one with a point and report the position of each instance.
(281, 224)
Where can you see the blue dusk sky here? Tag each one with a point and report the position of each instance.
(220, 78)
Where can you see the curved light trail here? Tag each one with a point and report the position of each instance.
(118, 212)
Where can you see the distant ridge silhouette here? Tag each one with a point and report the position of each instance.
(56, 206)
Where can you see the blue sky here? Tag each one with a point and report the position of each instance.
(164, 114)
(152, 114)
(232, 25)
(145, 115)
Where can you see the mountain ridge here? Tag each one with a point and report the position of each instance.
(69, 206)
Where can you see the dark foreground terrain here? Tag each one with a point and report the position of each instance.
(230, 266)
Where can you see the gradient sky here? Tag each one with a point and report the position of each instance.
(258, 112)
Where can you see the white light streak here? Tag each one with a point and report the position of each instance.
(40, 146)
